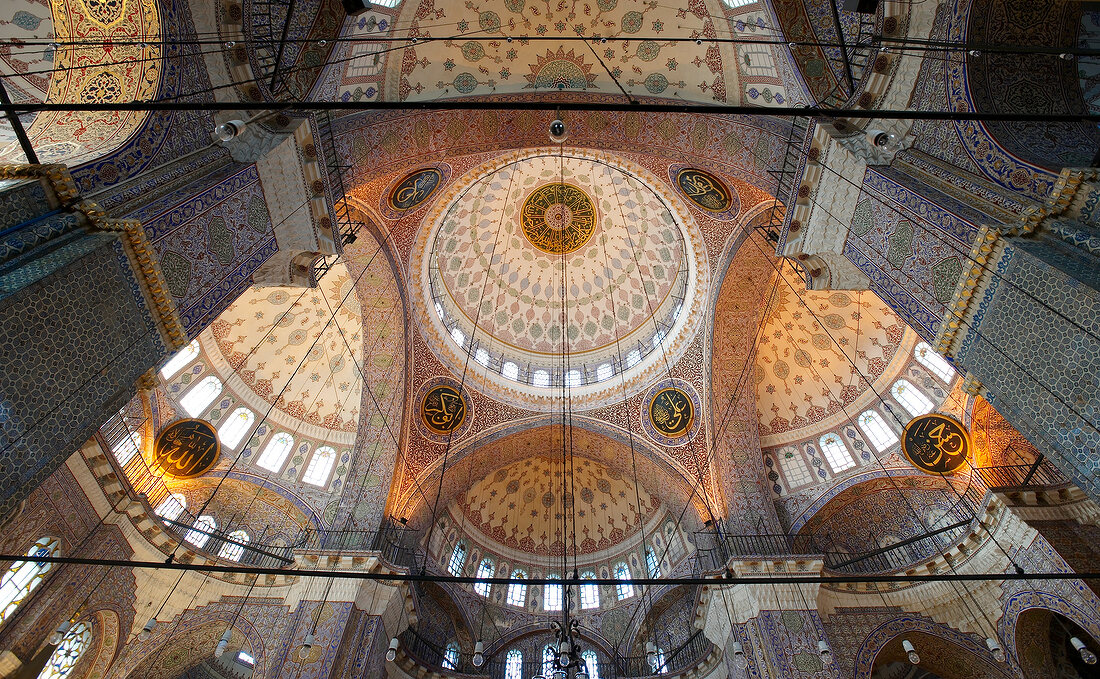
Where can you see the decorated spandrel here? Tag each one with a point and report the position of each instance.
(558, 218)
(186, 449)
(443, 409)
(935, 443)
(705, 190)
(671, 412)
(415, 189)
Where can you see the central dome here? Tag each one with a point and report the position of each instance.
(551, 254)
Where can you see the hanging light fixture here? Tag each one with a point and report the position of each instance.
(391, 652)
(825, 652)
(479, 654)
(59, 633)
(147, 631)
(910, 651)
(223, 643)
(740, 661)
(1087, 655)
(994, 647)
(307, 646)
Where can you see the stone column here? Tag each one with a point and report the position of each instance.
(83, 314)
(1024, 322)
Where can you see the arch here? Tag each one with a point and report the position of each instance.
(168, 655)
(1007, 84)
(483, 454)
(943, 650)
(123, 63)
(1027, 617)
(69, 652)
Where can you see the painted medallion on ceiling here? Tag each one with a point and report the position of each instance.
(444, 409)
(520, 506)
(558, 218)
(935, 443)
(413, 190)
(186, 448)
(535, 255)
(670, 412)
(705, 190)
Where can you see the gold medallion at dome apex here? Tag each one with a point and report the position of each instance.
(558, 218)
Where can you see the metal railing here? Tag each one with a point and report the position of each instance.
(1041, 473)
(685, 656)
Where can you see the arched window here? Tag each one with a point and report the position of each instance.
(23, 577)
(127, 448)
(738, 3)
(662, 664)
(181, 359)
(458, 336)
(517, 591)
(633, 357)
(836, 453)
(604, 372)
(171, 507)
(591, 664)
(510, 370)
(590, 592)
(551, 594)
(540, 378)
(484, 570)
(201, 395)
(450, 656)
(481, 356)
(458, 559)
(624, 590)
(573, 378)
(651, 564)
(232, 550)
(548, 660)
(234, 427)
(911, 398)
(794, 467)
(513, 665)
(68, 652)
(878, 432)
(200, 531)
(319, 466)
(936, 364)
(276, 451)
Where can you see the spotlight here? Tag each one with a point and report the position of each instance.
(558, 133)
(739, 659)
(307, 646)
(391, 652)
(230, 129)
(60, 632)
(910, 651)
(147, 631)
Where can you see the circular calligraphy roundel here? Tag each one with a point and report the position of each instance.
(670, 412)
(558, 218)
(187, 448)
(443, 409)
(415, 188)
(935, 443)
(704, 189)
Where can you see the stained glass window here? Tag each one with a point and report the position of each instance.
(181, 359)
(171, 507)
(231, 550)
(450, 656)
(548, 660)
(937, 364)
(878, 432)
(68, 652)
(127, 447)
(591, 664)
(513, 665)
(458, 559)
(484, 570)
(651, 564)
(234, 427)
(794, 467)
(23, 577)
(276, 451)
(551, 595)
(624, 590)
(517, 591)
(836, 453)
(319, 467)
(200, 533)
(201, 395)
(590, 592)
(911, 398)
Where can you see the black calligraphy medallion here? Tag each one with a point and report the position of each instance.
(558, 218)
(443, 409)
(415, 189)
(671, 412)
(935, 443)
(187, 448)
(705, 190)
